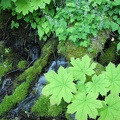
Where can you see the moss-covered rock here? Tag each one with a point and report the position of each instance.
(109, 54)
(28, 76)
(68, 49)
(43, 108)
(22, 64)
(5, 67)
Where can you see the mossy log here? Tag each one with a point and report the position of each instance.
(28, 76)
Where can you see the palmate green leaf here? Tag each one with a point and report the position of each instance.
(39, 4)
(5, 4)
(47, 1)
(26, 6)
(111, 108)
(84, 106)
(81, 86)
(60, 86)
(23, 6)
(113, 75)
(82, 67)
(98, 85)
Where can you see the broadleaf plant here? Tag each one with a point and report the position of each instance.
(111, 108)
(98, 85)
(113, 75)
(82, 67)
(84, 105)
(88, 95)
(60, 86)
(78, 21)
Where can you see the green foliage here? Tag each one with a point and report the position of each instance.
(82, 67)
(111, 109)
(26, 6)
(14, 24)
(85, 105)
(73, 20)
(98, 85)
(5, 67)
(78, 20)
(34, 12)
(112, 74)
(86, 100)
(118, 48)
(23, 6)
(60, 86)
(5, 4)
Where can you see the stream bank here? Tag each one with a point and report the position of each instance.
(24, 60)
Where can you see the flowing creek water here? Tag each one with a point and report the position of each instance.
(27, 103)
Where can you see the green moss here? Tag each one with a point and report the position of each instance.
(39, 68)
(43, 107)
(28, 76)
(30, 70)
(5, 67)
(7, 104)
(36, 64)
(109, 55)
(68, 49)
(9, 101)
(21, 92)
(21, 77)
(3, 70)
(22, 64)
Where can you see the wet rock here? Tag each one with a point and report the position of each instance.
(6, 88)
(26, 104)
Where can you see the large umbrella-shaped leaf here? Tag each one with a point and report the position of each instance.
(60, 86)
(85, 105)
